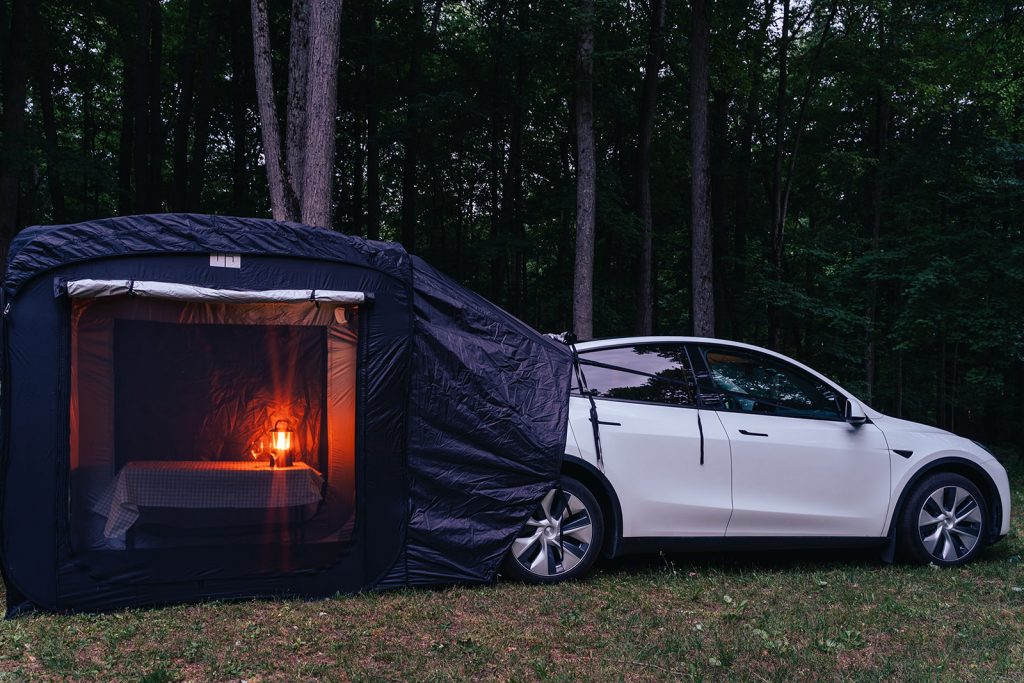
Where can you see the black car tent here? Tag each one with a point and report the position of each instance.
(203, 407)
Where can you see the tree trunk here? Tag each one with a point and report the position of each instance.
(410, 159)
(648, 101)
(141, 147)
(741, 216)
(358, 167)
(203, 110)
(702, 254)
(777, 219)
(496, 156)
(718, 169)
(422, 41)
(586, 177)
(280, 207)
(372, 126)
(297, 115)
(881, 134)
(322, 106)
(156, 125)
(240, 92)
(90, 191)
(5, 33)
(15, 85)
(126, 141)
(940, 394)
(45, 92)
(410, 142)
(566, 225)
(183, 119)
(512, 193)
(460, 203)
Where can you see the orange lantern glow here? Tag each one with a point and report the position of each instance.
(281, 441)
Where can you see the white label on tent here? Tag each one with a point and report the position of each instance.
(225, 260)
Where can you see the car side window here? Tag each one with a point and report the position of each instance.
(755, 383)
(652, 373)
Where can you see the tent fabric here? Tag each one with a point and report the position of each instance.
(458, 426)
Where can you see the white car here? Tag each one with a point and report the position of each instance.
(707, 444)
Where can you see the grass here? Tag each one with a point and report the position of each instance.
(760, 617)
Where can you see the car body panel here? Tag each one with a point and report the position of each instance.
(787, 488)
(806, 477)
(651, 456)
(925, 445)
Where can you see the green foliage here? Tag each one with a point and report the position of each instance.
(932, 302)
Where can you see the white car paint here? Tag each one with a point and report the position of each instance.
(808, 477)
(652, 456)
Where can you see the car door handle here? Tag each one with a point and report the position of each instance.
(744, 431)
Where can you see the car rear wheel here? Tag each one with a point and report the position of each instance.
(562, 538)
(943, 521)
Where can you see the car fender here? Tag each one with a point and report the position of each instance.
(946, 460)
(594, 479)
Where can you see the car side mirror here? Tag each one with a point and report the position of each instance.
(855, 414)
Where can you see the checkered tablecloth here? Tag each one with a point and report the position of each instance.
(203, 484)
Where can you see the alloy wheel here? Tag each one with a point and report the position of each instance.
(557, 537)
(950, 523)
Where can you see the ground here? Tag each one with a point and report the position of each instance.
(757, 616)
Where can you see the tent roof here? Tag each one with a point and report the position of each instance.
(41, 248)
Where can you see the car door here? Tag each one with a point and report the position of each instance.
(650, 430)
(799, 469)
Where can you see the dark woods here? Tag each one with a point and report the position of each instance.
(843, 181)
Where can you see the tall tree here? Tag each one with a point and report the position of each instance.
(155, 117)
(183, 116)
(422, 41)
(44, 90)
(298, 96)
(322, 84)
(282, 198)
(301, 193)
(778, 221)
(372, 124)
(586, 176)
(751, 119)
(241, 87)
(24, 14)
(879, 141)
(203, 112)
(129, 93)
(648, 101)
(512, 184)
(147, 123)
(700, 225)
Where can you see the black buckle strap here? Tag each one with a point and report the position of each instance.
(581, 380)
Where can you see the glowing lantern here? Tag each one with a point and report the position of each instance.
(281, 437)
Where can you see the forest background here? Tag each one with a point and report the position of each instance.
(840, 180)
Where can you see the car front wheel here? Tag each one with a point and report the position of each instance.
(562, 538)
(943, 521)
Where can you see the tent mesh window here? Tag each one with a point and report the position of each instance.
(224, 425)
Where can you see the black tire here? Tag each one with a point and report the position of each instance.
(562, 551)
(944, 521)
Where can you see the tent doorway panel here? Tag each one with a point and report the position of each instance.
(223, 426)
